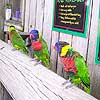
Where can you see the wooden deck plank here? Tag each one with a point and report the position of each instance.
(24, 81)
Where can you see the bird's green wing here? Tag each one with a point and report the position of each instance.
(82, 71)
(18, 42)
(82, 76)
(43, 54)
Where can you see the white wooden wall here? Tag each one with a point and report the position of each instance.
(38, 15)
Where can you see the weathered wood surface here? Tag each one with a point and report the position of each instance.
(38, 15)
(94, 69)
(32, 15)
(24, 81)
(27, 15)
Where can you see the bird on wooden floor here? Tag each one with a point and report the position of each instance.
(74, 64)
(17, 41)
(40, 48)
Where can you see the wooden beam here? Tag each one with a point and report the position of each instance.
(25, 81)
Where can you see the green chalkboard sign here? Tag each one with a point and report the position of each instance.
(97, 58)
(71, 16)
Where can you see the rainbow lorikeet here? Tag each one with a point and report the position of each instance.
(40, 48)
(16, 40)
(74, 65)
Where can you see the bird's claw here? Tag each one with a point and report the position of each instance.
(37, 63)
(67, 81)
(14, 49)
(34, 59)
(69, 86)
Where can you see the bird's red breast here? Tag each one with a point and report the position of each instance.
(37, 45)
(69, 64)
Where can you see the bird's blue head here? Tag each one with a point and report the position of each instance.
(58, 47)
(34, 35)
(62, 47)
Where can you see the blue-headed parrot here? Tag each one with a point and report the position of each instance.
(17, 41)
(40, 48)
(74, 64)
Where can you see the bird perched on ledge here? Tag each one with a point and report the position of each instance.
(16, 40)
(74, 65)
(40, 48)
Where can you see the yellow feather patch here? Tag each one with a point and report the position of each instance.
(11, 29)
(16, 46)
(64, 50)
(39, 35)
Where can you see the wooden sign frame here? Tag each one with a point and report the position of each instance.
(97, 57)
(58, 19)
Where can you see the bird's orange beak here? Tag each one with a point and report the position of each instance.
(54, 48)
(30, 36)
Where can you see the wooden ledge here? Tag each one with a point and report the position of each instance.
(24, 81)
